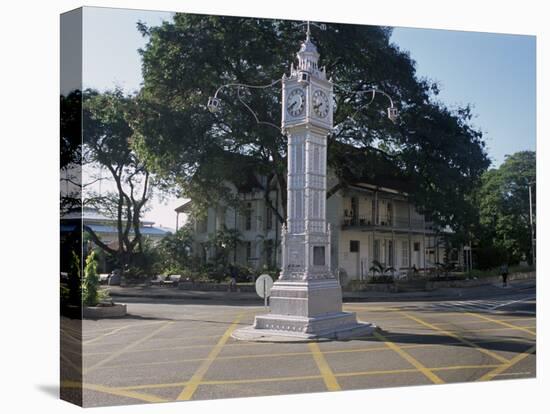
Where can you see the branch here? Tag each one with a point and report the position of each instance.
(98, 241)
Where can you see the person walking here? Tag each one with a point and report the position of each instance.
(504, 274)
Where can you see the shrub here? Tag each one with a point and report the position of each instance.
(91, 295)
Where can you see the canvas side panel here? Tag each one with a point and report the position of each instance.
(71, 207)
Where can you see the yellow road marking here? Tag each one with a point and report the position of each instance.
(114, 391)
(197, 377)
(497, 321)
(328, 376)
(413, 361)
(303, 378)
(255, 380)
(452, 330)
(458, 337)
(111, 332)
(497, 371)
(71, 363)
(153, 386)
(126, 348)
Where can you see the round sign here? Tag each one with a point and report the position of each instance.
(264, 283)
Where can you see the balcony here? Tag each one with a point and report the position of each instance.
(397, 224)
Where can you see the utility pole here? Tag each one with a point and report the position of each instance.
(533, 246)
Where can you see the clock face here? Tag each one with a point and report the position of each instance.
(295, 102)
(320, 103)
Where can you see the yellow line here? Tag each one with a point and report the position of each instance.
(197, 377)
(303, 378)
(490, 375)
(328, 376)
(111, 332)
(126, 348)
(453, 330)
(114, 391)
(497, 321)
(257, 380)
(71, 363)
(152, 386)
(413, 361)
(458, 337)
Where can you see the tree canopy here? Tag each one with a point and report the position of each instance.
(107, 145)
(504, 206)
(187, 59)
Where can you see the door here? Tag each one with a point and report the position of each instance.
(354, 249)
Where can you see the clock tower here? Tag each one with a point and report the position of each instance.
(306, 300)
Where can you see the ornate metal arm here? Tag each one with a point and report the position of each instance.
(214, 102)
(393, 113)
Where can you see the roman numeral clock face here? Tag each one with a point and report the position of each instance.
(295, 102)
(320, 103)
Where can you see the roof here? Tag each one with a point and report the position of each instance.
(358, 166)
(148, 231)
(103, 229)
(184, 208)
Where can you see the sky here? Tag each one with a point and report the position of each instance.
(494, 73)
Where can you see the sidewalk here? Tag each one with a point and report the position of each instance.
(156, 292)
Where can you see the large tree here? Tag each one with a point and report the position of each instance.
(504, 206)
(107, 147)
(187, 59)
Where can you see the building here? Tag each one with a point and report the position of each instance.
(371, 220)
(106, 229)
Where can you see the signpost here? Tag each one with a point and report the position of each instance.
(264, 283)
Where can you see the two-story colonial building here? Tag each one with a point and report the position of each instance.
(372, 220)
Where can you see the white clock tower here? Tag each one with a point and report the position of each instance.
(306, 301)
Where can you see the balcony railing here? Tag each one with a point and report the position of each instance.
(395, 223)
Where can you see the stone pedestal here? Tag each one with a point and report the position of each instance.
(305, 310)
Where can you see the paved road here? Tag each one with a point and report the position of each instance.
(169, 350)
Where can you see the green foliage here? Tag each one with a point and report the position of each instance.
(504, 208)
(433, 148)
(74, 284)
(174, 251)
(90, 283)
(381, 270)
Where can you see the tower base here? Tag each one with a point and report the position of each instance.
(305, 310)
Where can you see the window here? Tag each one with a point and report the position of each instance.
(376, 250)
(416, 246)
(318, 255)
(354, 246)
(390, 253)
(248, 250)
(389, 213)
(405, 253)
(269, 253)
(269, 219)
(248, 217)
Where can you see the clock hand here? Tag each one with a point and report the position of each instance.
(292, 105)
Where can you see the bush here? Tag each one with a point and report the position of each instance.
(380, 279)
(91, 281)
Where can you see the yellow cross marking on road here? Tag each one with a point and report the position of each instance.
(326, 372)
(500, 322)
(197, 377)
(114, 391)
(305, 377)
(408, 357)
(456, 336)
(490, 375)
(126, 348)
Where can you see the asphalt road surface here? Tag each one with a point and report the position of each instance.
(167, 350)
